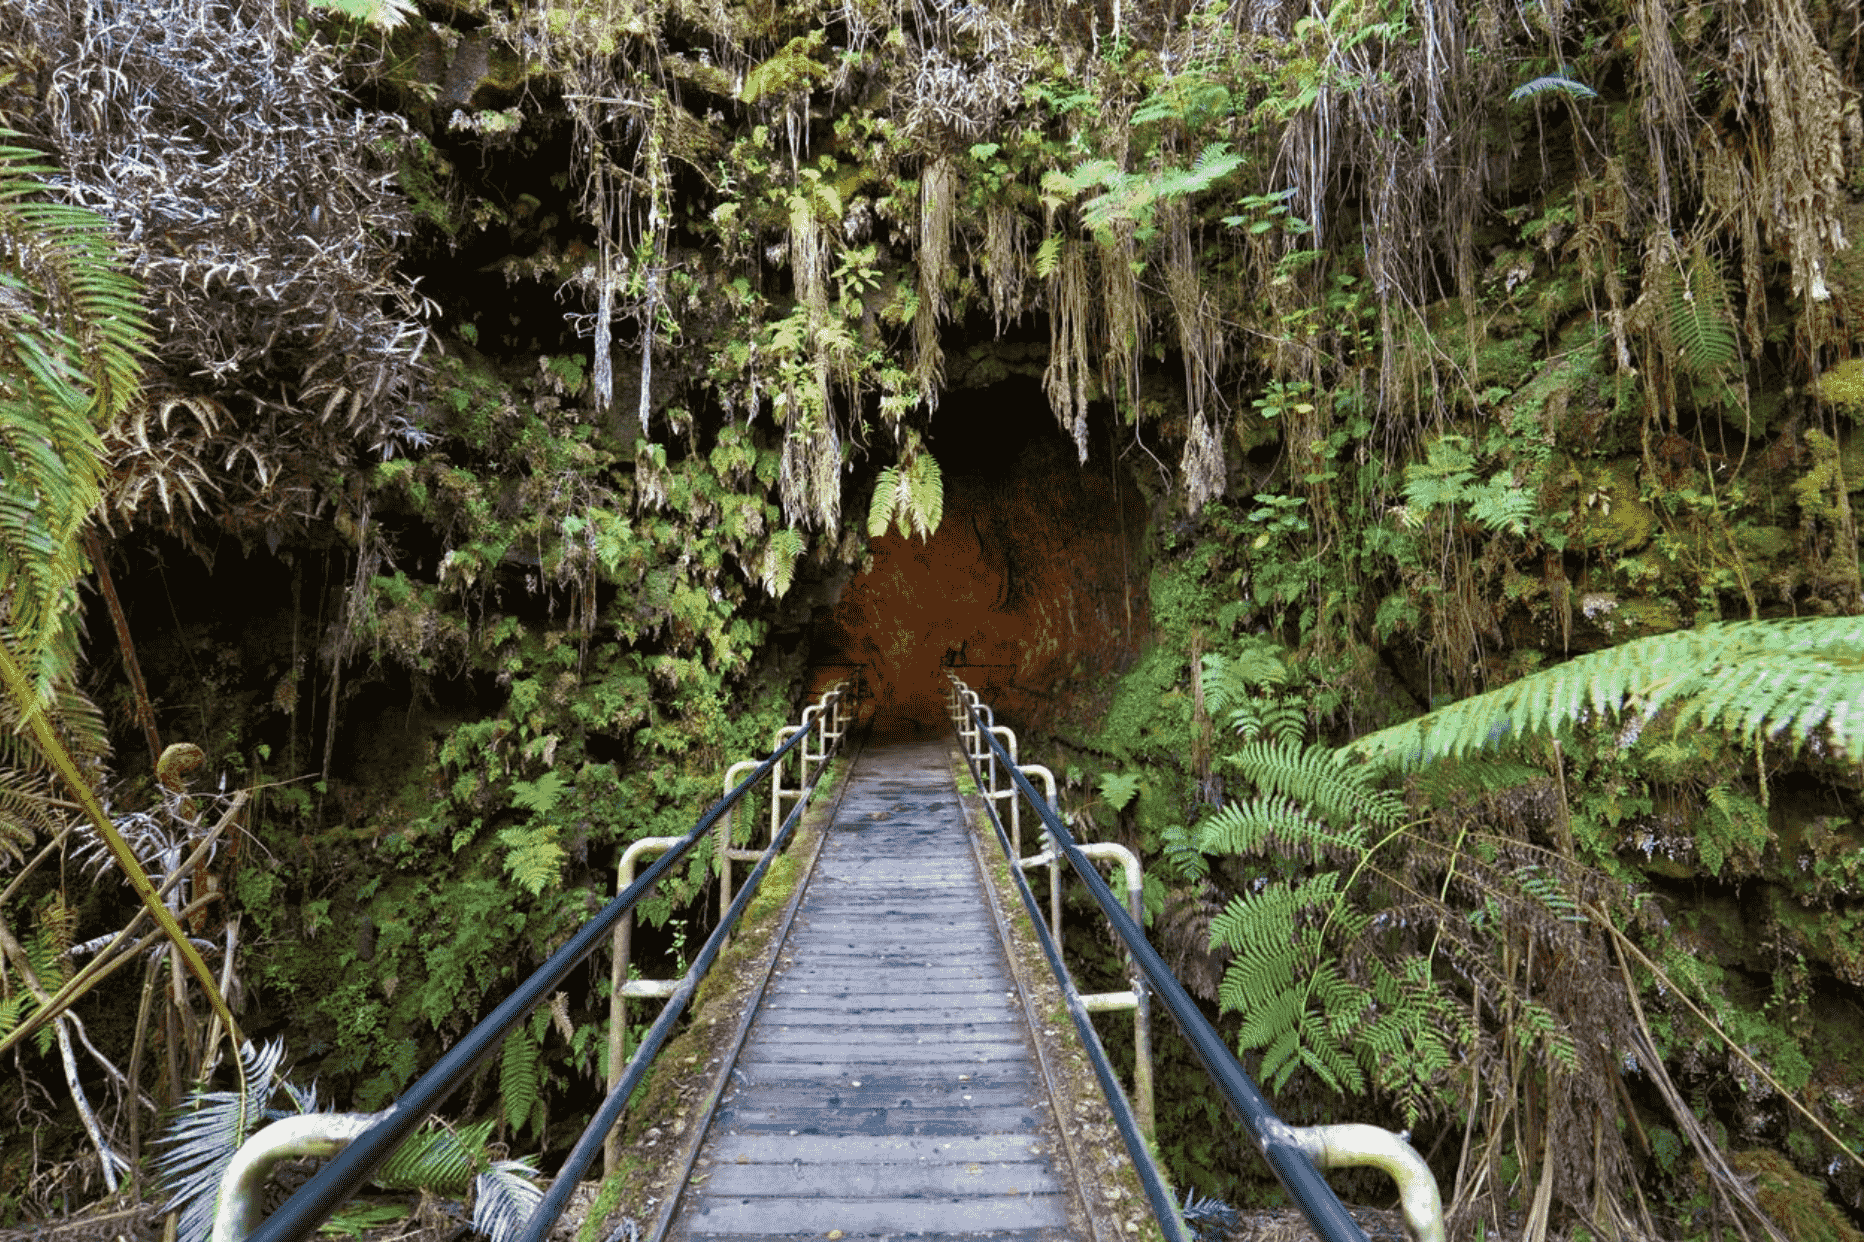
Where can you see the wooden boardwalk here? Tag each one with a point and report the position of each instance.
(887, 1086)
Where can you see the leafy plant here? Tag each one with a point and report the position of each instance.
(912, 495)
(202, 1139)
(72, 343)
(1757, 680)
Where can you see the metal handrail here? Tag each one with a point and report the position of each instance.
(318, 1198)
(1291, 1160)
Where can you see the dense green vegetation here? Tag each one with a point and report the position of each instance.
(521, 381)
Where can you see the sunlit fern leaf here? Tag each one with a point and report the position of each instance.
(923, 492)
(519, 1075)
(1501, 506)
(1700, 327)
(778, 569)
(201, 1140)
(1552, 83)
(1321, 782)
(533, 856)
(1801, 677)
(504, 1197)
(886, 499)
(1048, 255)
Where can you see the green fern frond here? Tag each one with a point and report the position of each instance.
(778, 569)
(1555, 83)
(924, 493)
(1317, 777)
(1443, 783)
(1699, 320)
(520, 1076)
(1802, 678)
(1119, 788)
(1182, 855)
(71, 342)
(1272, 823)
(1501, 506)
(438, 1159)
(533, 856)
(886, 500)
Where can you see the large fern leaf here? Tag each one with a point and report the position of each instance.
(1700, 327)
(1315, 775)
(923, 493)
(1801, 678)
(886, 500)
(438, 1159)
(520, 1075)
(71, 342)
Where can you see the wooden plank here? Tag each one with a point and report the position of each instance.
(886, 1086)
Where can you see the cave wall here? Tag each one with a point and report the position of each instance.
(1033, 581)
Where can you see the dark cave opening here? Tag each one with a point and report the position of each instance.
(1034, 581)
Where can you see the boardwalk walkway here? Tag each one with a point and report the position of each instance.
(887, 1086)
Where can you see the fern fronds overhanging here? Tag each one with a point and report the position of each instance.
(913, 495)
(72, 339)
(1757, 680)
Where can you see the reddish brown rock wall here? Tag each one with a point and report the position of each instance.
(1033, 581)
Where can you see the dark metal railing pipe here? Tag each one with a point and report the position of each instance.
(314, 1201)
(1275, 1137)
(589, 1146)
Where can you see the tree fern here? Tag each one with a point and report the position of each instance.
(1801, 678)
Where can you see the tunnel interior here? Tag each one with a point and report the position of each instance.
(1032, 586)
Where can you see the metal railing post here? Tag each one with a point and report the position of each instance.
(777, 792)
(618, 993)
(1139, 999)
(1049, 857)
(727, 849)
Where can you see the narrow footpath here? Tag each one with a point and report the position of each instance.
(887, 1087)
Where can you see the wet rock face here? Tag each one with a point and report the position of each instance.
(1032, 583)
